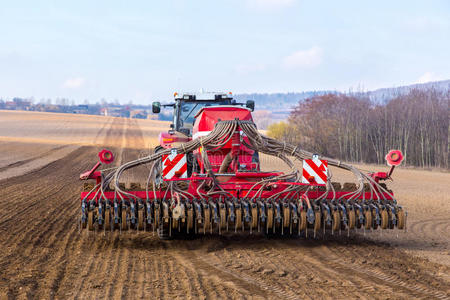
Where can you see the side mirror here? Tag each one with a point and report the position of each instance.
(156, 107)
(250, 105)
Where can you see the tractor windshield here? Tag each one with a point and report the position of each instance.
(188, 110)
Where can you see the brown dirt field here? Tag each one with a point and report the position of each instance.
(30, 140)
(43, 255)
(426, 197)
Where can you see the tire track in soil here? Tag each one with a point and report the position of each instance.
(326, 259)
(34, 194)
(435, 227)
(51, 235)
(25, 161)
(321, 271)
(27, 195)
(105, 256)
(253, 263)
(393, 273)
(275, 260)
(216, 283)
(45, 257)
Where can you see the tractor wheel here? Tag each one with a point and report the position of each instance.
(368, 217)
(401, 219)
(351, 219)
(336, 220)
(123, 223)
(384, 219)
(317, 220)
(107, 219)
(141, 219)
(90, 222)
(303, 222)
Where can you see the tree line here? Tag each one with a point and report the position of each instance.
(354, 128)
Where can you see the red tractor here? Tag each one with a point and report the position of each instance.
(185, 110)
(206, 177)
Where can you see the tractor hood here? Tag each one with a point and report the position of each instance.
(207, 117)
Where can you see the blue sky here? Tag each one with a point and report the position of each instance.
(142, 51)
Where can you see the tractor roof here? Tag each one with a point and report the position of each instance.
(202, 96)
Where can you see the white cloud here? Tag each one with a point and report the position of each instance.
(429, 76)
(304, 59)
(73, 83)
(269, 4)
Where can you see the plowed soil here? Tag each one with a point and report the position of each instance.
(43, 255)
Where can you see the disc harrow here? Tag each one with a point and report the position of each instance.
(288, 217)
(226, 191)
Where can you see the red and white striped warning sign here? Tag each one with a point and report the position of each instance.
(174, 165)
(315, 171)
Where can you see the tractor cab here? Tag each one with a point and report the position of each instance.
(185, 108)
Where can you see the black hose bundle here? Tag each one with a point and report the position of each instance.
(215, 140)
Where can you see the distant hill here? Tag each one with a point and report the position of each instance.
(278, 101)
(274, 107)
(386, 94)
